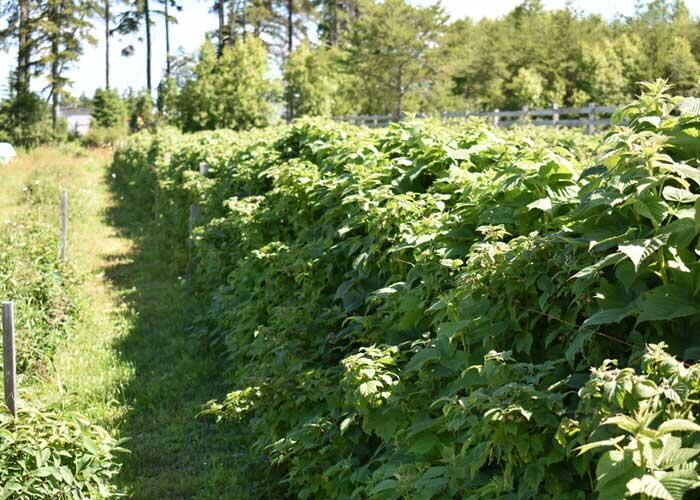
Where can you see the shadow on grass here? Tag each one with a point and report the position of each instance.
(174, 454)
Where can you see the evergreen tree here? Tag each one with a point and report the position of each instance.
(231, 92)
(311, 79)
(393, 49)
(67, 26)
(108, 109)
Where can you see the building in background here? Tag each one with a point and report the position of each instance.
(78, 119)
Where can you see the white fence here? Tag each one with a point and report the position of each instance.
(590, 116)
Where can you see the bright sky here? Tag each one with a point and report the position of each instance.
(195, 20)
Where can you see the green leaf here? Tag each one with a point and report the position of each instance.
(650, 486)
(544, 204)
(607, 316)
(685, 171)
(599, 444)
(666, 303)
(652, 208)
(679, 195)
(639, 250)
(679, 483)
(385, 485)
(421, 357)
(689, 106)
(615, 466)
(623, 422)
(678, 425)
(608, 260)
(345, 424)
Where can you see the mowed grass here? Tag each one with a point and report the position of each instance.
(130, 364)
(175, 454)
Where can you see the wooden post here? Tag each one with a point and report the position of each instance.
(64, 225)
(495, 117)
(526, 112)
(195, 215)
(590, 128)
(555, 114)
(9, 360)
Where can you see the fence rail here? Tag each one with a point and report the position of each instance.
(590, 116)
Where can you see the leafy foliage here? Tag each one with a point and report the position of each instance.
(45, 453)
(413, 312)
(230, 92)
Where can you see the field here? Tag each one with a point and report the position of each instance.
(430, 312)
(422, 311)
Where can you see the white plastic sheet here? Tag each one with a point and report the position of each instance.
(7, 152)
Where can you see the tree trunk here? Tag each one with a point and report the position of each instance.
(167, 40)
(222, 6)
(290, 26)
(333, 37)
(24, 52)
(107, 37)
(147, 16)
(244, 20)
(399, 97)
(55, 83)
(232, 23)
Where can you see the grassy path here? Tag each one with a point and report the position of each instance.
(131, 365)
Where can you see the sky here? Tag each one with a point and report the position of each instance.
(195, 21)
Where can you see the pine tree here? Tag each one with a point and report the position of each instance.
(65, 26)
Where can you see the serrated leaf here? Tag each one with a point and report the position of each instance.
(607, 316)
(689, 106)
(652, 208)
(650, 486)
(638, 251)
(678, 425)
(613, 466)
(678, 195)
(608, 260)
(623, 422)
(667, 303)
(679, 483)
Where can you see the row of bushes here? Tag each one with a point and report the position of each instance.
(431, 312)
(47, 451)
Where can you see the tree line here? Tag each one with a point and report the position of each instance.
(340, 57)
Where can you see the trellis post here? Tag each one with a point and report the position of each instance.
(9, 358)
(590, 127)
(64, 226)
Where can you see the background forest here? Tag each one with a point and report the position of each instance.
(268, 60)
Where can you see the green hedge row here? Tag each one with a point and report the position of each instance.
(415, 312)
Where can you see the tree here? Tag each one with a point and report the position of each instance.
(65, 26)
(108, 109)
(335, 19)
(140, 107)
(231, 92)
(527, 88)
(168, 5)
(22, 18)
(311, 79)
(130, 21)
(167, 100)
(393, 49)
